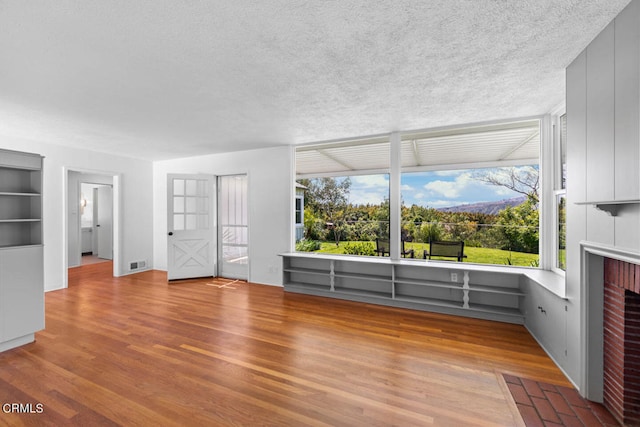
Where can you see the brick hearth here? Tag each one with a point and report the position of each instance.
(622, 340)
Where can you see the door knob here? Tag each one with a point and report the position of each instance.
(170, 233)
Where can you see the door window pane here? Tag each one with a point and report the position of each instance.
(191, 187)
(235, 235)
(235, 254)
(191, 205)
(178, 222)
(203, 189)
(178, 187)
(178, 204)
(191, 222)
(203, 205)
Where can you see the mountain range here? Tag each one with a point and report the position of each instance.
(490, 208)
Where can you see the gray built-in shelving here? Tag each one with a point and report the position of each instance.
(21, 251)
(444, 287)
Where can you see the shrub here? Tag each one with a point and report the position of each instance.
(430, 231)
(307, 245)
(360, 248)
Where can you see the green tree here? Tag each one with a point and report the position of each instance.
(314, 227)
(520, 227)
(328, 197)
(519, 224)
(381, 215)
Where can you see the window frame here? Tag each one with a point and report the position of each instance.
(559, 189)
(547, 161)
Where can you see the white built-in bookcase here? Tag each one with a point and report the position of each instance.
(21, 251)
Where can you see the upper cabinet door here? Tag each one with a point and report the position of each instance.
(577, 131)
(600, 116)
(627, 103)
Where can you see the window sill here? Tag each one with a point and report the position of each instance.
(550, 280)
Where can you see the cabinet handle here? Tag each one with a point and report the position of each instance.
(170, 233)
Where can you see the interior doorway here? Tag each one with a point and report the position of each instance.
(96, 223)
(91, 219)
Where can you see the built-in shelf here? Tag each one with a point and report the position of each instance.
(21, 250)
(473, 292)
(435, 284)
(496, 290)
(610, 206)
(306, 271)
(7, 193)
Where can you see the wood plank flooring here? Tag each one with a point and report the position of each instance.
(140, 351)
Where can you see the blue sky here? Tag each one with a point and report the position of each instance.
(431, 189)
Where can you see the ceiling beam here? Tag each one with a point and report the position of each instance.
(335, 159)
(522, 144)
(416, 154)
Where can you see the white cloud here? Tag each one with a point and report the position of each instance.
(444, 188)
(369, 181)
(368, 189)
(503, 191)
(450, 189)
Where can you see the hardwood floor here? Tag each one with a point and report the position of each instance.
(138, 351)
(91, 259)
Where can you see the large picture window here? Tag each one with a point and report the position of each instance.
(346, 215)
(476, 187)
(491, 212)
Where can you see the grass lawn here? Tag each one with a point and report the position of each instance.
(475, 255)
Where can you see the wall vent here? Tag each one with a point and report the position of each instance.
(137, 265)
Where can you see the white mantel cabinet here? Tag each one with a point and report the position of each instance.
(613, 110)
(21, 254)
(627, 104)
(603, 119)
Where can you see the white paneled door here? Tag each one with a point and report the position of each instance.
(191, 246)
(233, 227)
(104, 225)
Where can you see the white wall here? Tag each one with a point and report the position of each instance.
(270, 193)
(136, 201)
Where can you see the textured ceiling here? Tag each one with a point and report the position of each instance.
(161, 79)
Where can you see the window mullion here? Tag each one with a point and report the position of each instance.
(395, 209)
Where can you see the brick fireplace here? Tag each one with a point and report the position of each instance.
(621, 341)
